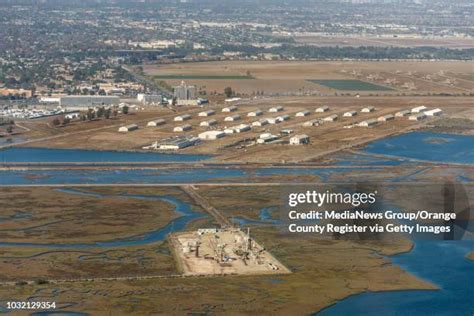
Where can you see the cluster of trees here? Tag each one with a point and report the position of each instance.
(101, 112)
(362, 52)
(91, 115)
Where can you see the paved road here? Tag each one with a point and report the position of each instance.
(149, 83)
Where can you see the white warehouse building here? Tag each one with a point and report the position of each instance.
(419, 109)
(211, 135)
(88, 101)
(434, 112)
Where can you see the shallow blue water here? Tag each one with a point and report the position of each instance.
(427, 146)
(181, 208)
(443, 263)
(265, 218)
(150, 176)
(76, 155)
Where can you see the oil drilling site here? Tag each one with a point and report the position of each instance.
(215, 251)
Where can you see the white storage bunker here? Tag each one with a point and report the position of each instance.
(237, 129)
(228, 109)
(386, 118)
(322, 109)
(208, 123)
(368, 109)
(128, 128)
(207, 113)
(182, 128)
(419, 109)
(232, 118)
(312, 123)
(261, 122)
(350, 114)
(368, 123)
(183, 117)
(255, 113)
(284, 117)
(403, 113)
(417, 117)
(331, 118)
(156, 123)
(275, 109)
(303, 113)
(299, 139)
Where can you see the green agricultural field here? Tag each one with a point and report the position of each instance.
(203, 77)
(350, 84)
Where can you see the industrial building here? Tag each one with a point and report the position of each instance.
(417, 117)
(434, 112)
(174, 143)
(275, 109)
(368, 123)
(330, 118)
(182, 128)
(303, 113)
(419, 109)
(149, 99)
(184, 92)
(266, 138)
(128, 128)
(183, 117)
(299, 140)
(88, 101)
(386, 118)
(232, 118)
(207, 113)
(368, 109)
(155, 123)
(208, 123)
(322, 109)
(261, 122)
(403, 113)
(350, 114)
(211, 135)
(231, 108)
(255, 113)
